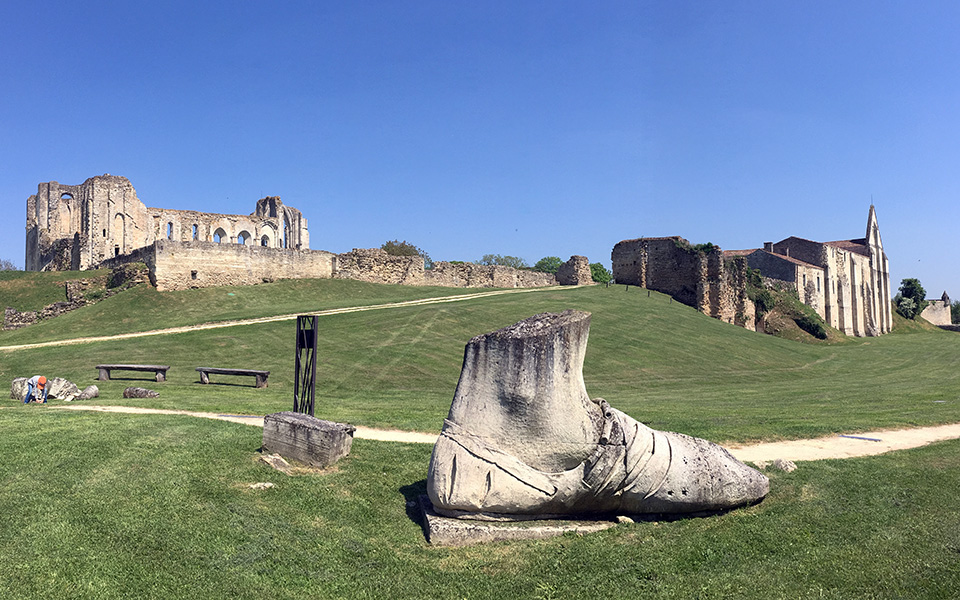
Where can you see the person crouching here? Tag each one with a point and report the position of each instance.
(36, 386)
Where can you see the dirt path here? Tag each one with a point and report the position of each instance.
(860, 444)
(258, 320)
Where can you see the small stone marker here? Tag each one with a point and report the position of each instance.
(139, 392)
(310, 440)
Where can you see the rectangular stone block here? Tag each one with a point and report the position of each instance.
(307, 439)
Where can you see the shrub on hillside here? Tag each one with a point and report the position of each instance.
(599, 273)
(811, 325)
(548, 264)
(911, 299)
(404, 248)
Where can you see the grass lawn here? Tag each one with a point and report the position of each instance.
(96, 505)
(130, 506)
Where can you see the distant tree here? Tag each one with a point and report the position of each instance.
(599, 273)
(404, 248)
(7, 265)
(911, 300)
(955, 312)
(504, 261)
(548, 264)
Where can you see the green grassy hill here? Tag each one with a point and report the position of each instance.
(658, 360)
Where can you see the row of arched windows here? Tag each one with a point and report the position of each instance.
(220, 236)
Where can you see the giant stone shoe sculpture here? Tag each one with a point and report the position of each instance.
(523, 440)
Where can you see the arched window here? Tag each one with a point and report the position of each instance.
(243, 237)
(265, 241)
(66, 196)
(219, 234)
(169, 231)
(286, 230)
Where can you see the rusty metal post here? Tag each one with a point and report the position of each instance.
(305, 373)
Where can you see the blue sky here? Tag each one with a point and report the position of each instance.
(522, 128)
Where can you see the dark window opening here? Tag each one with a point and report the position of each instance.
(116, 250)
(193, 274)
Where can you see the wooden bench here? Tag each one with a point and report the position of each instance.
(260, 375)
(160, 370)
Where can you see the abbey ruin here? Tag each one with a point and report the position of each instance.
(102, 224)
(846, 282)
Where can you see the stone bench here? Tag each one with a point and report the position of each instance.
(260, 375)
(160, 370)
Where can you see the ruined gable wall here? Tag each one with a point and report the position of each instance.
(78, 226)
(800, 249)
(937, 312)
(184, 265)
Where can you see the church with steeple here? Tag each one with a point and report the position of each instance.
(847, 282)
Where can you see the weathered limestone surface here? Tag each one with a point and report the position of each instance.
(448, 531)
(18, 388)
(307, 439)
(575, 271)
(524, 439)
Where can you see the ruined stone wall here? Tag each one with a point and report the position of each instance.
(449, 274)
(696, 278)
(79, 293)
(575, 271)
(374, 265)
(629, 259)
(736, 306)
(72, 227)
(186, 265)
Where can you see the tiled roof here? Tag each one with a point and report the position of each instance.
(735, 253)
(857, 246)
(791, 259)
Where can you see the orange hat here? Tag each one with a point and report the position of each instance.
(42, 381)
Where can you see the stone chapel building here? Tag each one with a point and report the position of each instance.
(847, 282)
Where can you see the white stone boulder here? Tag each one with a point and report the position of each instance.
(523, 440)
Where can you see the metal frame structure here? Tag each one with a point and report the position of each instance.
(305, 373)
